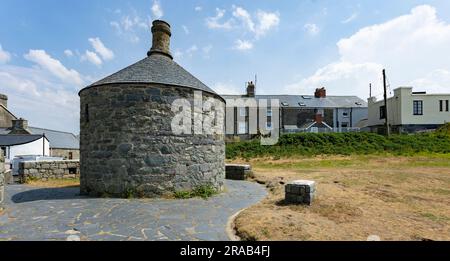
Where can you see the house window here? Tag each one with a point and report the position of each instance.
(418, 107)
(70, 155)
(269, 125)
(441, 105)
(344, 125)
(243, 112)
(269, 112)
(242, 128)
(382, 112)
(345, 114)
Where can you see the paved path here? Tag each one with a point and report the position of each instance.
(59, 214)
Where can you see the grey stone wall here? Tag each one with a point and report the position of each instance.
(45, 170)
(127, 145)
(2, 180)
(65, 153)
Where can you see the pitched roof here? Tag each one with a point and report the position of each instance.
(308, 101)
(58, 139)
(158, 69)
(19, 139)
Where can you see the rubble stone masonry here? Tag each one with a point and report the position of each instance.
(45, 170)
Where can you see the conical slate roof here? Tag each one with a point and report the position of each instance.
(158, 69)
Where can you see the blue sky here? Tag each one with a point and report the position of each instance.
(51, 49)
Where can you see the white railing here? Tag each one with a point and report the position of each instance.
(321, 130)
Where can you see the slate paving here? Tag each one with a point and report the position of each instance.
(62, 214)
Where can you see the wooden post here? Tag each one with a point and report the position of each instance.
(386, 124)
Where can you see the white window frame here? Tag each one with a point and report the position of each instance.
(243, 112)
(242, 127)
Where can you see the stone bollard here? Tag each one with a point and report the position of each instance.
(238, 172)
(300, 192)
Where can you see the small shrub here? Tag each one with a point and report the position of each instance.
(204, 192)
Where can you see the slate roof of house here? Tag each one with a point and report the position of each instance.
(308, 101)
(11, 140)
(158, 69)
(57, 139)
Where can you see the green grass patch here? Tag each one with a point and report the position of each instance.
(204, 192)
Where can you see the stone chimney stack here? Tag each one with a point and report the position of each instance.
(320, 93)
(251, 89)
(161, 39)
(20, 126)
(4, 100)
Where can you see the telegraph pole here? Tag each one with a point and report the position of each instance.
(386, 124)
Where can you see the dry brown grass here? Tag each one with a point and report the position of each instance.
(395, 198)
(54, 183)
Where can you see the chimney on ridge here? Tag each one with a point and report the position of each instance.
(320, 93)
(4, 100)
(19, 126)
(161, 39)
(250, 89)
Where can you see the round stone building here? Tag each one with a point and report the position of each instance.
(127, 145)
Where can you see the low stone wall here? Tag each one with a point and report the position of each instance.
(238, 172)
(45, 170)
(2, 181)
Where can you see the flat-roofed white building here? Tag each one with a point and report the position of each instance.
(409, 111)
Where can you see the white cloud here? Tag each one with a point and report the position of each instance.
(350, 18)
(178, 54)
(41, 97)
(101, 49)
(157, 10)
(312, 29)
(54, 66)
(68, 53)
(192, 50)
(207, 49)
(242, 45)
(242, 15)
(4, 55)
(266, 22)
(198, 8)
(226, 88)
(260, 24)
(215, 21)
(92, 58)
(129, 26)
(412, 47)
(185, 29)
(257, 25)
(437, 81)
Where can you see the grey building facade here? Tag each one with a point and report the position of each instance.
(303, 113)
